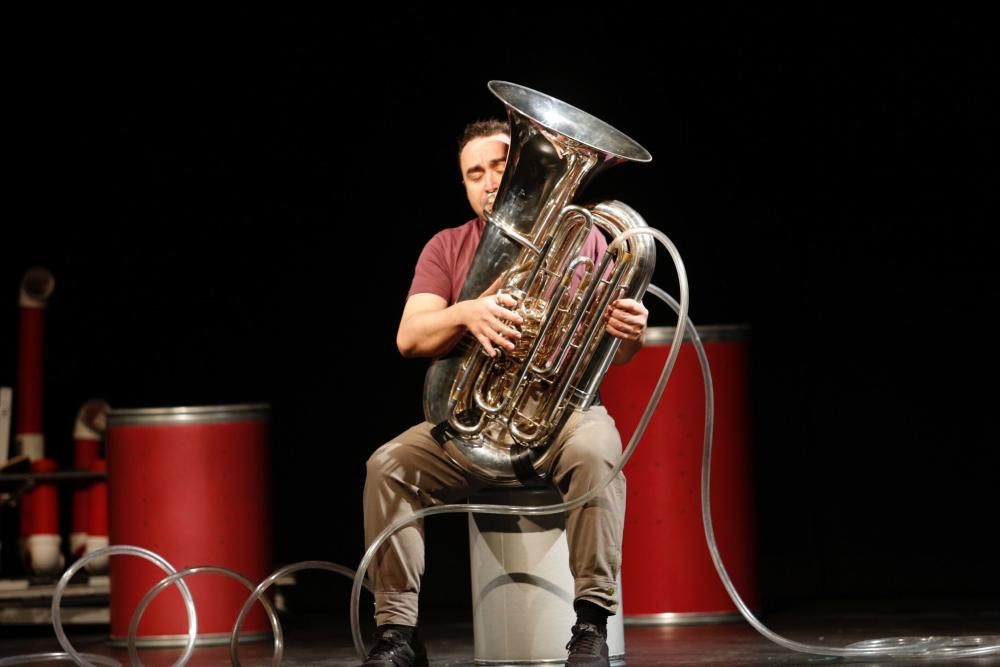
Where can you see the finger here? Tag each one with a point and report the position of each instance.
(503, 328)
(501, 313)
(623, 304)
(485, 342)
(499, 339)
(615, 330)
(624, 312)
(620, 330)
(623, 321)
(504, 343)
(631, 319)
(509, 332)
(630, 307)
(506, 300)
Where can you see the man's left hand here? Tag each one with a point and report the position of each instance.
(626, 319)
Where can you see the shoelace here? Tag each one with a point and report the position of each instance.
(586, 639)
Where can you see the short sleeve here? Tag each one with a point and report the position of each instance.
(431, 275)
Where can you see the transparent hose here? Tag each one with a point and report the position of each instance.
(90, 659)
(359, 577)
(173, 577)
(267, 583)
(84, 659)
(133, 627)
(891, 647)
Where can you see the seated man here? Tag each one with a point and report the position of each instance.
(412, 471)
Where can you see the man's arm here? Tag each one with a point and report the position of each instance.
(430, 327)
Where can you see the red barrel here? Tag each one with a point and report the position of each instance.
(667, 572)
(190, 484)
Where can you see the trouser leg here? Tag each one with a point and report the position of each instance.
(586, 451)
(405, 475)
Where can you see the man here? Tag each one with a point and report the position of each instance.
(413, 471)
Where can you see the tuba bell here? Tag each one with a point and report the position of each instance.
(496, 417)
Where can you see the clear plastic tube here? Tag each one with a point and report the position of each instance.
(140, 609)
(174, 577)
(362, 570)
(891, 647)
(89, 659)
(80, 659)
(267, 583)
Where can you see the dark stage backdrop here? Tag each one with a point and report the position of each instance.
(232, 206)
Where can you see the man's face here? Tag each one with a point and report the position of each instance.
(482, 161)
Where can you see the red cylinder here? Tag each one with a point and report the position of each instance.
(667, 572)
(97, 502)
(43, 508)
(85, 453)
(41, 539)
(36, 287)
(28, 399)
(95, 529)
(190, 484)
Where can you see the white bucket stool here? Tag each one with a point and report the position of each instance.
(522, 590)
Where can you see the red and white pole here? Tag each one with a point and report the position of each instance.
(91, 421)
(40, 519)
(97, 519)
(36, 288)
(40, 536)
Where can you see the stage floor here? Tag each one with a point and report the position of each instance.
(315, 640)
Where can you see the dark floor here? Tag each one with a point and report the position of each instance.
(311, 640)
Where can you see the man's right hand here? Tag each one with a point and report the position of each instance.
(491, 321)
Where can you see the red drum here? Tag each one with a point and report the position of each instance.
(666, 567)
(192, 485)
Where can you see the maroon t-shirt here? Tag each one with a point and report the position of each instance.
(447, 257)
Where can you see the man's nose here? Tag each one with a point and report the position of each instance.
(493, 180)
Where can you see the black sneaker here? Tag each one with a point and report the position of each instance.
(588, 647)
(393, 650)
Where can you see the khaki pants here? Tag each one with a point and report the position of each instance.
(412, 472)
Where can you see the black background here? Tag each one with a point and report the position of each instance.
(232, 205)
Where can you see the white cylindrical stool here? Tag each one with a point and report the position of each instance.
(522, 589)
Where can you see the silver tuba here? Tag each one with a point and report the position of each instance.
(496, 417)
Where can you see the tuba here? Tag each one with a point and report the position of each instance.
(497, 417)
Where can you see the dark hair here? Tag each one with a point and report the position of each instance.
(481, 128)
